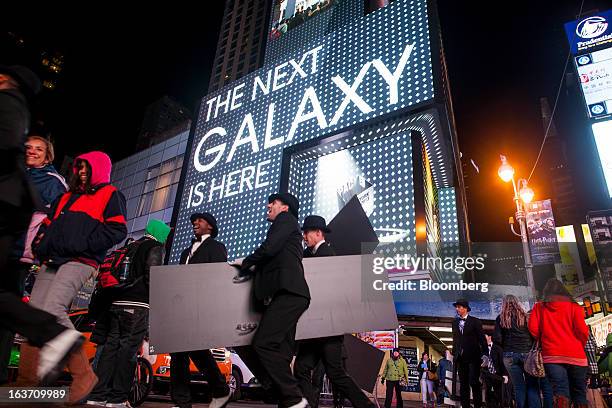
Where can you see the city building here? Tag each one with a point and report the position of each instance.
(149, 181)
(162, 119)
(349, 116)
(242, 41)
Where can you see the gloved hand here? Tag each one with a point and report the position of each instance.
(382, 380)
(505, 379)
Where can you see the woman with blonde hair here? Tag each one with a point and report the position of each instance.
(512, 334)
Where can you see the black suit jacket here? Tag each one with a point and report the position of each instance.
(470, 345)
(278, 260)
(208, 252)
(326, 249)
(497, 356)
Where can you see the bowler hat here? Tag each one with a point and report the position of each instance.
(315, 222)
(464, 303)
(288, 199)
(209, 219)
(28, 81)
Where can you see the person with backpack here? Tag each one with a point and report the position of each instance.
(83, 224)
(128, 316)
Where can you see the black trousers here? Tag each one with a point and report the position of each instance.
(274, 343)
(250, 358)
(329, 351)
(394, 385)
(15, 316)
(180, 376)
(493, 390)
(12, 282)
(469, 377)
(127, 328)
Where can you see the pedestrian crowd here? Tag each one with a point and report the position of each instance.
(542, 358)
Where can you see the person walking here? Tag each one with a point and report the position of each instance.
(280, 287)
(394, 372)
(512, 334)
(424, 368)
(470, 352)
(204, 248)
(444, 365)
(83, 225)
(127, 321)
(53, 342)
(327, 350)
(49, 185)
(558, 322)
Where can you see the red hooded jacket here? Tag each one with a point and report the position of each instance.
(563, 331)
(82, 226)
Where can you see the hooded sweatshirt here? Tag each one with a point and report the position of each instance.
(83, 226)
(560, 326)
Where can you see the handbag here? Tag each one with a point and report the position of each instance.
(431, 376)
(595, 399)
(534, 363)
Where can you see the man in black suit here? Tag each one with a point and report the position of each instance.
(328, 350)
(469, 350)
(203, 249)
(280, 285)
(495, 374)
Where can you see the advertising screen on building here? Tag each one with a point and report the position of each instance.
(289, 14)
(595, 73)
(602, 132)
(328, 90)
(590, 32)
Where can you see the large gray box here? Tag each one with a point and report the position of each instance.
(196, 307)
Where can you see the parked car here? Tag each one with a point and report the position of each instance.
(242, 382)
(161, 372)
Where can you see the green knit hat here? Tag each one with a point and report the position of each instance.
(158, 230)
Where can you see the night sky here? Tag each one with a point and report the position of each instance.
(501, 61)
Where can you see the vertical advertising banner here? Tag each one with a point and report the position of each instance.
(600, 223)
(411, 357)
(541, 232)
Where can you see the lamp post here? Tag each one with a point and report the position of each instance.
(522, 195)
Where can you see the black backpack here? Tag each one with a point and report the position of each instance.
(117, 269)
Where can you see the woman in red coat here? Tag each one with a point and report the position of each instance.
(559, 324)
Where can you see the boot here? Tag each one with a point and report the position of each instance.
(28, 364)
(560, 401)
(83, 377)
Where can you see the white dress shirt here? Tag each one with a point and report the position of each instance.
(196, 245)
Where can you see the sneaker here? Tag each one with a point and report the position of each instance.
(96, 403)
(219, 402)
(54, 354)
(125, 404)
(302, 404)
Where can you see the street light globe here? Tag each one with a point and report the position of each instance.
(526, 194)
(505, 171)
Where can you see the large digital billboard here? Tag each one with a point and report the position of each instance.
(595, 72)
(603, 139)
(290, 14)
(351, 76)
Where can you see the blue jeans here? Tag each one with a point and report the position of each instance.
(526, 387)
(568, 381)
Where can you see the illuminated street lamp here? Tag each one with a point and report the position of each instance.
(522, 196)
